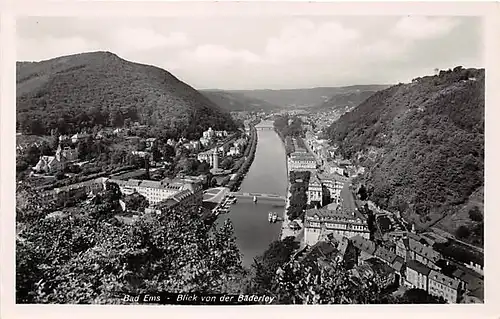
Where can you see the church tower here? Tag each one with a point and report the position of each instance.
(59, 153)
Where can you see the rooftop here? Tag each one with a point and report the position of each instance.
(363, 244)
(418, 267)
(423, 250)
(443, 279)
(338, 214)
(385, 255)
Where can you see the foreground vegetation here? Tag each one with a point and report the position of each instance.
(85, 255)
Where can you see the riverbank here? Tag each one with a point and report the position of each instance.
(235, 183)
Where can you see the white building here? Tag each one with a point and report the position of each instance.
(336, 221)
(157, 191)
(441, 285)
(300, 161)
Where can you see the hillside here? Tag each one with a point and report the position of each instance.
(86, 90)
(425, 145)
(295, 98)
(343, 100)
(233, 101)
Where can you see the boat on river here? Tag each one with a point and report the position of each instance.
(255, 199)
(272, 217)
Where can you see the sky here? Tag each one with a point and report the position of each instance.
(267, 52)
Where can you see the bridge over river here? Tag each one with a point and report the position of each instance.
(275, 197)
(265, 126)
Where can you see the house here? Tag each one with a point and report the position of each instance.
(409, 248)
(78, 137)
(234, 151)
(171, 142)
(444, 286)
(315, 191)
(385, 255)
(48, 164)
(399, 267)
(150, 142)
(417, 275)
(365, 247)
(384, 275)
(205, 141)
(208, 134)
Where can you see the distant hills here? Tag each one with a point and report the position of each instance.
(423, 146)
(304, 98)
(88, 90)
(342, 100)
(235, 101)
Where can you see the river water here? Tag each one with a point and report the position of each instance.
(267, 174)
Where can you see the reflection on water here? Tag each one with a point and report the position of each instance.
(267, 174)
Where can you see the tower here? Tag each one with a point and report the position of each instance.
(58, 152)
(215, 159)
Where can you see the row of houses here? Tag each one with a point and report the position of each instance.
(414, 266)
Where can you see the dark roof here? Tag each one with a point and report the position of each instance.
(418, 267)
(385, 254)
(398, 263)
(379, 267)
(423, 250)
(363, 244)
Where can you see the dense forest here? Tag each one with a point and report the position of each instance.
(422, 144)
(83, 91)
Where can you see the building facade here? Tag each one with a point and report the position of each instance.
(315, 191)
(340, 223)
(301, 161)
(441, 285)
(158, 191)
(417, 275)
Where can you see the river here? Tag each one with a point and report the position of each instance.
(267, 174)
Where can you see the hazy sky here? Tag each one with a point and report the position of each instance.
(267, 52)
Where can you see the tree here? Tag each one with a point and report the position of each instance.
(462, 232)
(83, 259)
(420, 296)
(227, 163)
(136, 202)
(475, 214)
(265, 266)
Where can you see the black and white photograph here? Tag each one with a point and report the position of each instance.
(250, 160)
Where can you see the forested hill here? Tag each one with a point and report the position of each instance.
(233, 101)
(86, 90)
(422, 143)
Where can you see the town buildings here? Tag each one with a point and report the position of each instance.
(157, 191)
(301, 161)
(410, 248)
(50, 164)
(336, 221)
(365, 247)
